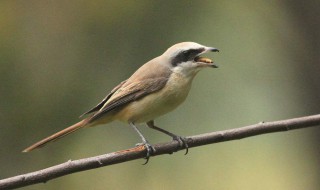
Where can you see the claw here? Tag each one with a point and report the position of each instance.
(183, 142)
(150, 150)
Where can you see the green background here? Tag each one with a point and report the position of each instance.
(60, 58)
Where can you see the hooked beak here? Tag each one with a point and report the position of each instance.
(212, 49)
(206, 62)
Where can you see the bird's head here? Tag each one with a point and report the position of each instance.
(185, 57)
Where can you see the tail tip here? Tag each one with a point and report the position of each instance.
(26, 150)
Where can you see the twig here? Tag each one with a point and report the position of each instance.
(70, 167)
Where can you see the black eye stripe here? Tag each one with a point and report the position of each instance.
(186, 55)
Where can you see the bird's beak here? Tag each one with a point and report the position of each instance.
(206, 62)
(212, 49)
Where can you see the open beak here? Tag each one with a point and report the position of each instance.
(206, 62)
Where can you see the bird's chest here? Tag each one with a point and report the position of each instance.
(176, 90)
(158, 103)
(166, 99)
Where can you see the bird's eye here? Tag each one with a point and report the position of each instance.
(183, 56)
(186, 53)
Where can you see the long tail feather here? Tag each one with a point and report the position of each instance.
(57, 135)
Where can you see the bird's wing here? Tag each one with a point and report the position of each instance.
(129, 93)
(100, 105)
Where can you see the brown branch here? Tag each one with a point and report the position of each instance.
(69, 167)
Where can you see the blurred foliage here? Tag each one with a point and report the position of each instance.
(59, 58)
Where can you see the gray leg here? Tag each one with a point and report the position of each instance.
(150, 149)
(182, 141)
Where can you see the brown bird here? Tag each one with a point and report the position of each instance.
(156, 88)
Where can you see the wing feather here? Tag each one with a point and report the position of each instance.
(100, 105)
(130, 93)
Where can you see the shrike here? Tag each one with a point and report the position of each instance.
(156, 88)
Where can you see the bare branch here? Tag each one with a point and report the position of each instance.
(70, 167)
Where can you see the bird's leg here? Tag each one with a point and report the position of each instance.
(182, 140)
(150, 149)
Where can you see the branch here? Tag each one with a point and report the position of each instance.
(70, 167)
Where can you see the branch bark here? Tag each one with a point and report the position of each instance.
(70, 167)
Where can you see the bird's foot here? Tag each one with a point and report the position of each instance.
(150, 150)
(183, 143)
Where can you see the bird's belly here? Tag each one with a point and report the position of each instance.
(158, 103)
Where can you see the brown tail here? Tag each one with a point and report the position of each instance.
(57, 135)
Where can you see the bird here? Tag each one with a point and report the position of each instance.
(156, 88)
